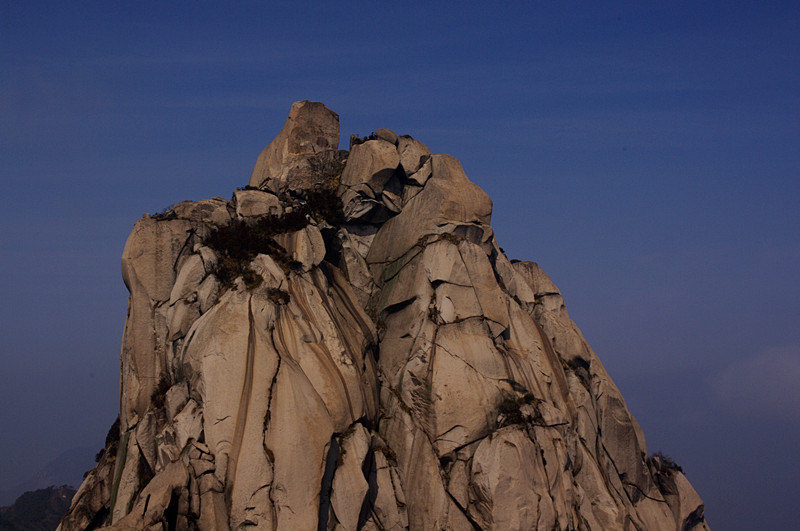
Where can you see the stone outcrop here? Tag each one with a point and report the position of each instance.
(344, 345)
(308, 141)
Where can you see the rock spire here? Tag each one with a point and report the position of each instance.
(344, 345)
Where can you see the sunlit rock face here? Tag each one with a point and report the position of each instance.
(344, 345)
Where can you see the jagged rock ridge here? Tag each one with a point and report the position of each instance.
(344, 345)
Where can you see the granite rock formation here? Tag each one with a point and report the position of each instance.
(344, 345)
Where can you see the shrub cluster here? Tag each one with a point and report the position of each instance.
(159, 395)
(511, 410)
(356, 140)
(241, 240)
(113, 433)
(663, 469)
(665, 462)
(112, 440)
(166, 213)
(278, 296)
(581, 368)
(324, 205)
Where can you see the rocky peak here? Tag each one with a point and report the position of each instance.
(344, 345)
(308, 142)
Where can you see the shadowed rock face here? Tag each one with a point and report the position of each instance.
(344, 345)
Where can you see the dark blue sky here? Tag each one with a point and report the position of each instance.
(647, 156)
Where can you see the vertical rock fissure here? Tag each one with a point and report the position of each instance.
(122, 452)
(558, 372)
(267, 419)
(189, 233)
(244, 404)
(171, 513)
(272, 387)
(463, 510)
(327, 484)
(369, 469)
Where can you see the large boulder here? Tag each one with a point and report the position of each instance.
(253, 203)
(309, 136)
(448, 203)
(370, 188)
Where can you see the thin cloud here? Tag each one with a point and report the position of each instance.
(763, 386)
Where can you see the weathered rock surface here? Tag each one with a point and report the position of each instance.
(249, 203)
(370, 184)
(349, 348)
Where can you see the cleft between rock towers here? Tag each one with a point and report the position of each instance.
(344, 345)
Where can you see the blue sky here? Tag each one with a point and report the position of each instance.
(645, 154)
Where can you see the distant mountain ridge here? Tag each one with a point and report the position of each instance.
(40, 509)
(344, 345)
(68, 468)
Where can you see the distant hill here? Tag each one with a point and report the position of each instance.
(38, 509)
(65, 469)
